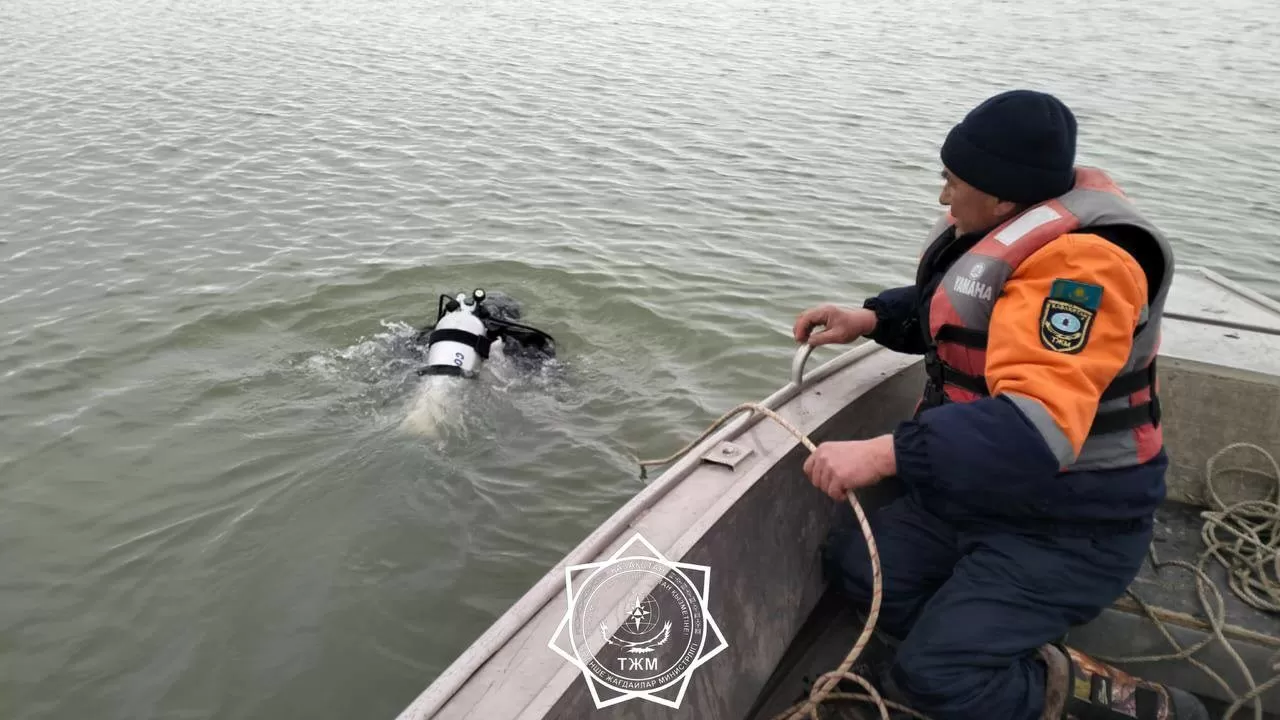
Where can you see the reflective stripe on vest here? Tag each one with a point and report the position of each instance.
(1126, 429)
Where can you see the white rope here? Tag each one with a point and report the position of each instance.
(1250, 553)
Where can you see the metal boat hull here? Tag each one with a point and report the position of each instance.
(757, 523)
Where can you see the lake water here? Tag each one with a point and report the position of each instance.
(220, 221)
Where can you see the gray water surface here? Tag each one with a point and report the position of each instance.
(220, 222)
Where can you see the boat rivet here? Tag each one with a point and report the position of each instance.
(727, 451)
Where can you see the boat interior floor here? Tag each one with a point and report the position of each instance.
(834, 626)
(1177, 536)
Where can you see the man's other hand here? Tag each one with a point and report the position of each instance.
(835, 468)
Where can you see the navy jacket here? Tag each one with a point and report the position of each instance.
(983, 462)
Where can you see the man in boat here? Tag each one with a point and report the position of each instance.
(1032, 469)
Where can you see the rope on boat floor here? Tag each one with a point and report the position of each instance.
(1250, 553)
(1244, 537)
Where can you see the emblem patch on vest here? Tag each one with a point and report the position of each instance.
(1067, 315)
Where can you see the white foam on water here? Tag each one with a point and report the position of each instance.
(370, 357)
(436, 407)
(440, 403)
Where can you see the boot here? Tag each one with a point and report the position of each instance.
(1078, 687)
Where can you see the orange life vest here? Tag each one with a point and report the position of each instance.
(1126, 429)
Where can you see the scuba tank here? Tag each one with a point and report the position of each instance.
(459, 340)
(464, 331)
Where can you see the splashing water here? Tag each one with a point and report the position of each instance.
(380, 372)
(443, 405)
(439, 403)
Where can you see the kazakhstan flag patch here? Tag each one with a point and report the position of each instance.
(1067, 315)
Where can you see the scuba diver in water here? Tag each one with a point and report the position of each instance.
(468, 330)
(469, 327)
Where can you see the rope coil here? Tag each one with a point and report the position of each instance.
(1245, 536)
(1251, 551)
(1249, 555)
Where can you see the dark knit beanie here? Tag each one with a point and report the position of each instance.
(1019, 146)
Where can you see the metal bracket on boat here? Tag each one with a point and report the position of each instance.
(727, 454)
